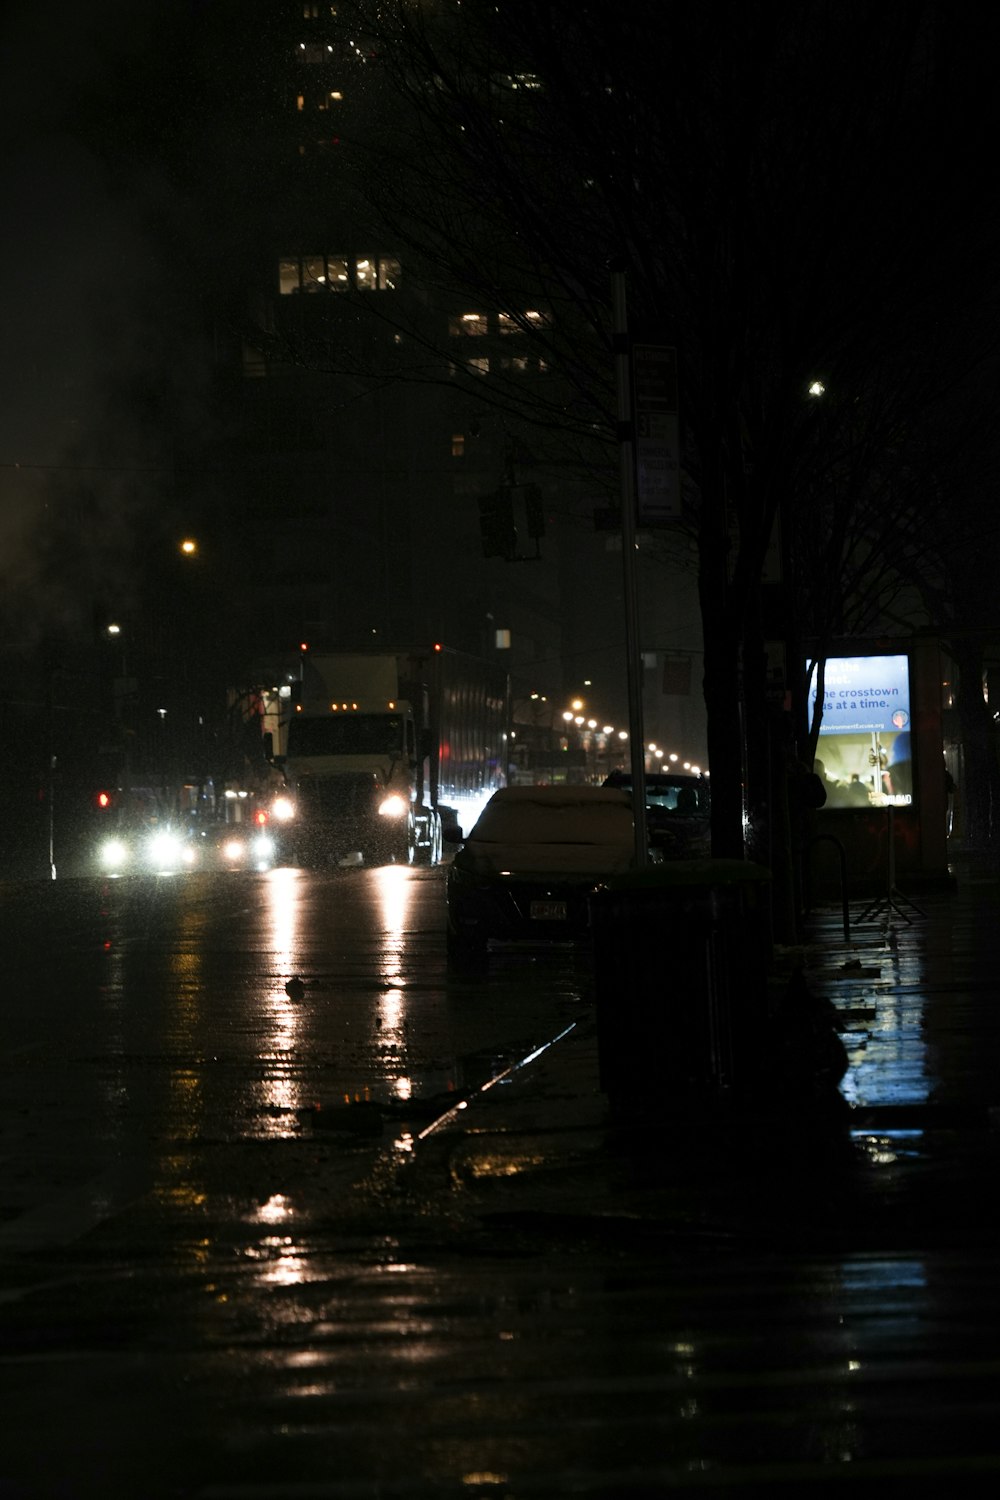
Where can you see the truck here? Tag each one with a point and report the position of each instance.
(386, 755)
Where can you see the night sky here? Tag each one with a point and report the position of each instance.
(78, 328)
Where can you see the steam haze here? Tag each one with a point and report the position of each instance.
(83, 474)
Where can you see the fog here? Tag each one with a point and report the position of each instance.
(80, 474)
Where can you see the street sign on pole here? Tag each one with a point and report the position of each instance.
(657, 433)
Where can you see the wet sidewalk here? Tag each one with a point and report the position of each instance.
(904, 1153)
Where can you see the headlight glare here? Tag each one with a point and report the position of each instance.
(164, 850)
(114, 854)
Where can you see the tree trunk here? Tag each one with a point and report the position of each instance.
(722, 684)
(723, 708)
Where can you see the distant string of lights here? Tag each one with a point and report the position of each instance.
(575, 717)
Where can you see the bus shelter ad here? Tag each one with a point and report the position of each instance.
(864, 744)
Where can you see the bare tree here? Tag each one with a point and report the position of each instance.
(780, 181)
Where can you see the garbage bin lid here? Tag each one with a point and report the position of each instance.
(701, 874)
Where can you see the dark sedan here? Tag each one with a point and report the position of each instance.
(526, 869)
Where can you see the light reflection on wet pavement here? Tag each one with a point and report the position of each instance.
(221, 1277)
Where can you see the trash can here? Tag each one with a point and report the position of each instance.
(680, 955)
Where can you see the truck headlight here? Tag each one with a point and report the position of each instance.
(393, 807)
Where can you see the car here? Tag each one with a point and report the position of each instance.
(528, 866)
(678, 813)
(168, 849)
(147, 848)
(235, 846)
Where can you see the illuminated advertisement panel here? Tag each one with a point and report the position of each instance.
(864, 744)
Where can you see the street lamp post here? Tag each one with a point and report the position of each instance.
(122, 688)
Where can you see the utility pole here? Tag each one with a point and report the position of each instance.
(626, 441)
(50, 790)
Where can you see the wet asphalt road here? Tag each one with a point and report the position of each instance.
(148, 1024)
(197, 1168)
(216, 1283)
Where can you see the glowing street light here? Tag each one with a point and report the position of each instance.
(189, 546)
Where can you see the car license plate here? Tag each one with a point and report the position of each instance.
(548, 911)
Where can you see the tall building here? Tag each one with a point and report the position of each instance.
(371, 415)
(356, 454)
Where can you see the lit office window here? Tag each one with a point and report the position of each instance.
(468, 324)
(314, 273)
(523, 364)
(288, 277)
(332, 273)
(376, 273)
(526, 322)
(336, 273)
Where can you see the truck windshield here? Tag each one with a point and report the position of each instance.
(346, 734)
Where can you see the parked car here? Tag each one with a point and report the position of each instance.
(678, 813)
(527, 867)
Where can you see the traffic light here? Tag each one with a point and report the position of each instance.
(496, 524)
(104, 801)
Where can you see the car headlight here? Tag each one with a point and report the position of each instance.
(164, 850)
(113, 854)
(393, 807)
(263, 847)
(233, 849)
